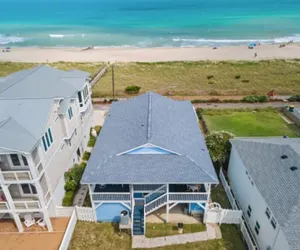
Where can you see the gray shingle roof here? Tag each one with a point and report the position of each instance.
(26, 98)
(277, 183)
(163, 122)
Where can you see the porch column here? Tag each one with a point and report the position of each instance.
(91, 198)
(18, 222)
(167, 206)
(207, 201)
(11, 205)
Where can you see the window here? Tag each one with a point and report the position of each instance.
(257, 227)
(273, 222)
(44, 144)
(249, 210)
(28, 189)
(25, 160)
(50, 135)
(15, 160)
(70, 112)
(47, 139)
(75, 131)
(80, 99)
(268, 213)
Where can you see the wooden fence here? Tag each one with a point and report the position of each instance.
(247, 234)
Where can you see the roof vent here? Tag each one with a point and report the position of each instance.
(142, 125)
(293, 168)
(284, 157)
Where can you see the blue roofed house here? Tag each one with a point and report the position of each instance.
(150, 154)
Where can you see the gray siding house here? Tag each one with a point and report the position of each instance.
(264, 175)
(45, 119)
(150, 154)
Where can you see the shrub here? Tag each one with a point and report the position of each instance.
(68, 199)
(237, 77)
(105, 101)
(70, 186)
(215, 100)
(218, 145)
(92, 141)
(210, 77)
(245, 80)
(86, 156)
(98, 129)
(132, 89)
(255, 98)
(113, 100)
(76, 172)
(67, 176)
(294, 98)
(198, 101)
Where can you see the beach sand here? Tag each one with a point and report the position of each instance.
(40, 55)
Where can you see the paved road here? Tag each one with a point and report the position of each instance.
(221, 105)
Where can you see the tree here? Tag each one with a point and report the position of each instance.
(218, 145)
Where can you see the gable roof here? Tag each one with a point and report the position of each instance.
(277, 183)
(26, 99)
(157, 120)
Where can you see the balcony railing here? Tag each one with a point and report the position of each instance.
(16, 176)
(4, 206)
(176, 197)
(111, 196)
(27, 205)
(146, 187)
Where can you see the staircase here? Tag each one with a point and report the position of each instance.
(138, 218)
(156, 199)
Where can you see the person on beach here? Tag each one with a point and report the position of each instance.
(255, 54)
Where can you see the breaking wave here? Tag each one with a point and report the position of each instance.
(10, 39)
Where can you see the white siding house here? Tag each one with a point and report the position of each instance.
(44, 129)
(261, 181)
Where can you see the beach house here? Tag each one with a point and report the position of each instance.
(264, 175)
(150, 154)
(45, 120)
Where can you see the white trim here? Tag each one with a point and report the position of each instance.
(174, 205)
(125, 205)
(147, 145)
(98, 205)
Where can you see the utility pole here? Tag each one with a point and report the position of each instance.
(113, 80)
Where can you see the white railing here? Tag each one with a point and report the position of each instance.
(157, 203)
(176, 197)
(111, 196)
(247, 234)
(64, 211)
(16, 176)
(27, 205)
(64, 245)
(146, 187)
(4, 206)
(155, 194)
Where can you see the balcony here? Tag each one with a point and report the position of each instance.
(187, 193)
(111, 193)
(23, 176)
(27, 204)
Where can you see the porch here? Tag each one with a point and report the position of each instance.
(33, 237)
(176, 215)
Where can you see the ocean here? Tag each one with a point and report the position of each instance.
(147, 23)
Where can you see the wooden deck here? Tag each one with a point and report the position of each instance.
(32, 238)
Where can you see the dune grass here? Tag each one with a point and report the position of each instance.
(204, 78)
(7, 68)
(250, 123)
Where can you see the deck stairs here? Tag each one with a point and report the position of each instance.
(138, 217)
(156, 199)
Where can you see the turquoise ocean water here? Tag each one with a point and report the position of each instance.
(147, 23)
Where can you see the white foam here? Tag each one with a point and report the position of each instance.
(10, 39)
(60, 35)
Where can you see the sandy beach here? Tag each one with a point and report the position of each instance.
(34, 54)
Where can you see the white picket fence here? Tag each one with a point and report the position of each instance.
(78, 213)
(249, 239)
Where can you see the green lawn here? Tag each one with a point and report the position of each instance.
(10, 67)
(166, 229)
(191, 78)
(91, 236)
(249, 123)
